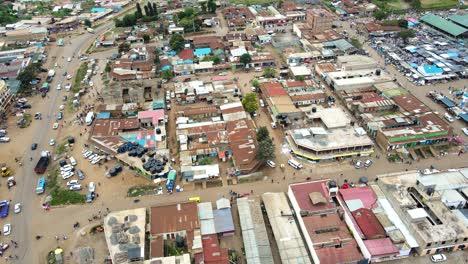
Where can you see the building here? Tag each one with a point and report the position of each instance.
(26, 35)
(285, 230)
(331, 137)
(319, 19)
(174, 224)
(254, 233)
(6, 97)
(445, 26)
(416, 131)
(327, 237)
(356, 79)
(418, 200)
(356, 62)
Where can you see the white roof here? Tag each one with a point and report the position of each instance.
(300, 71)
(238, 51)
(417, 213)
(452, 196)
(223, 203)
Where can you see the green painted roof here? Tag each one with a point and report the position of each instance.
(459, 19)
(443, 24)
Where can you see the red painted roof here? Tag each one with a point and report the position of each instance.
(381, 247)
(368, 223)
(186, 54)
(301, 192)
(365, 194)
(272, 89)
(212, 253)
(348, 253)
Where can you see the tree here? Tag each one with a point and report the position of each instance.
(205, 161)
(245, 59)
(157, 60)
(356, 43)
(262, 133)
(155, 11)
(124, 47)
(146, 38)
(266, 150)
(406, 34)
(380, 14)
(250, 103)
(167, 74)
(269, 72)
(402, 23)
(139, 13)
(255, 83)
(177, 42)
(147, 12)
(27, 75)
(203, 7)
(150, 9)
(211, 6)
(87, 23)
(108, 67)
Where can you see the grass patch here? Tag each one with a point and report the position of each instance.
(61, 196)
(61, 148)
(438, 4)
(80, 74)
(139, 190)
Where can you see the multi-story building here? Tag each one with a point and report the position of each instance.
(6, 98)
(319, 19)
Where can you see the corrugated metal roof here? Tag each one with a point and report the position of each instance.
(443, 24)
(460, 19)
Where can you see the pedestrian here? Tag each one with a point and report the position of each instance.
(107, 209)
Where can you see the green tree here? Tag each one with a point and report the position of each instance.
(250, 103)
(245, 59)
(269, 72)
(150, 9)
(262, 133)
(177, 42)
(255, 83)
(205, 161)
(155, 11)
(380, 14)
(108, 67)
(167, 74)
(266, 150)
(406, 34)
(27, 75)
(203, 7)
(147, 12)
(124, 47)
(211, 5)
(356, 43)
(146, 38)
(87, 23)
(157, 60)
(139, 13)
(402, 23)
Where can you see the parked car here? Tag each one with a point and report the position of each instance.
(358, 164)
(77, 187)
(55, 126)
(7, 229)
(4, 139)
(92, 187)
(34, 146)
(368, 163)
(17, 208)
(59, 116)
(69, 77)
(449, 118)
(67, 175)
(38, 115)
(59, 87)
(67, 87)
(465, 130)
(72, 182)
(438, 258)
(90, 158)
(87, 154)
(80, 174)
(271, 163)
(96, 160)
(68, 59)
(52, 142)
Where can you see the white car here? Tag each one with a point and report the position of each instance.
(438, 258)
(87, 154)
(61, 107)
(91, 83)
(358, 164)
(368, 163)
(55, 126)
(69, 59)
(17, 208)
(92, 187)
(76, 187)
(172, 95)
(465, 130)
(67, 87)
(4, 139)
(73, 182)
(6, 229)
(67, 175)
(90, 158)
(96, 160)
(59, 87)
(67, 167)
(69, 77)
(271, 163)
(52, 142)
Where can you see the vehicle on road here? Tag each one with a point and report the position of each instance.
(438, 258)
(4, 139)
(72, 182)
(7, 229)
(69, 77)
(38, 116)
(295, 164)
(67, 87)
(40, 187)
(4, 208)
(368, 163)
(55, 126)
(59, 87)
(449, 118)
(465, 130)
(34, 146)
(92, 187)
(89, 118)
(17, 208)
(68, 59)
(43, 162)
(358, 164)
(271, 163)
(3, 247)
(80, 174)
(59, 116)
(52, 142)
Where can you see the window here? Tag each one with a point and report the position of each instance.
(443, 242)
(428, 244)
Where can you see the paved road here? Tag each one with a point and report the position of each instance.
(21, 223)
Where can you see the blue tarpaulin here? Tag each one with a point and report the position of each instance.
(202, 52)
(103, 115)
(464, 117)
(447, 102)
(432, 69)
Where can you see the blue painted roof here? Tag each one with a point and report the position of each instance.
(464, 117)
(447, 102)
(167, 67)
(103, 115)
(98, 9)
(432, 69)
(202, 52)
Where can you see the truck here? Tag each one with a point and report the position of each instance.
(90, 30)
(40, 187)
(4, 208)
(45, 87)
(43, 162)
(51, 73)
(171, 177)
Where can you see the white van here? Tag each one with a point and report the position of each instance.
(89, 118)
(258, 69)
(262, 104)
(72, 161)
(295, 164)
